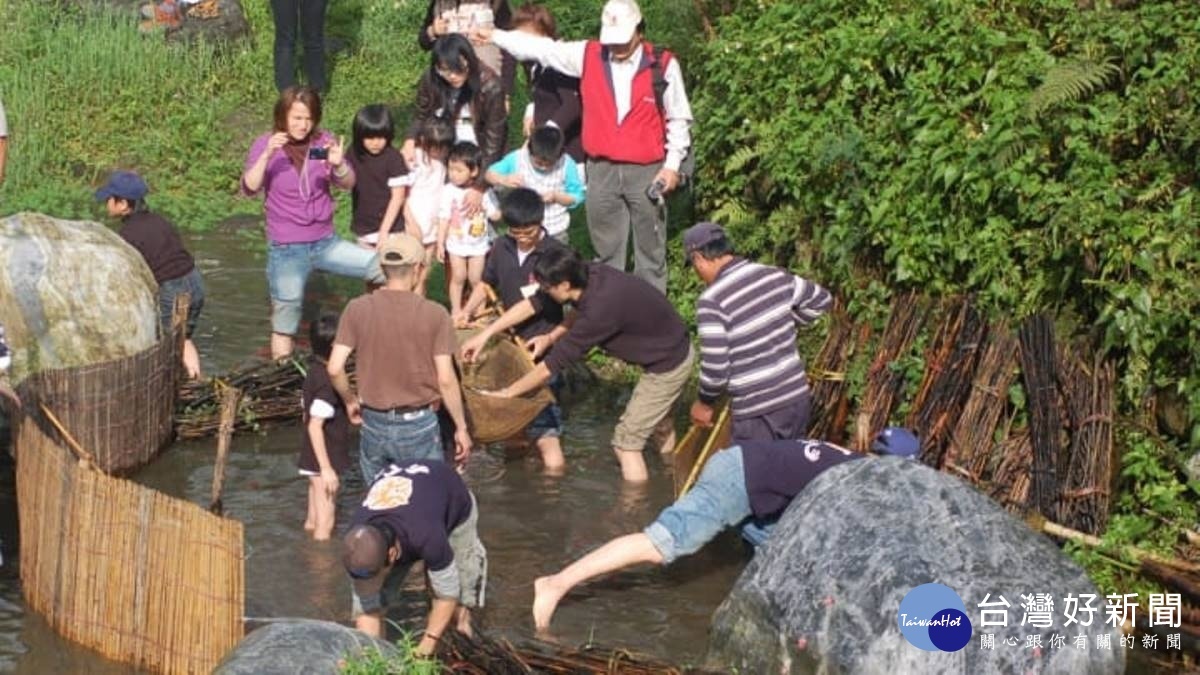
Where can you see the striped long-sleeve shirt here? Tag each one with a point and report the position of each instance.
(747, 324)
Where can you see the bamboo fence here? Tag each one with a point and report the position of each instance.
(122, 410)
(125, 570)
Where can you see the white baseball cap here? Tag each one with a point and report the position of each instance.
(618, 21)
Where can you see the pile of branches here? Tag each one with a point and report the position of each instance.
(830, 403)
(482, 655)
(884, 383)
(949, 368)
(270, 393)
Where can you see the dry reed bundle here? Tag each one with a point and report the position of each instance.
(884, 383)
(828, 375)
(970, 447)
(1088, 475)
(130, 572)
(1011, 477)
(949, 368)
(270, 393)
(1039, 365)
(481, 655)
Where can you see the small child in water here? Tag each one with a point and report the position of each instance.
(324, 455)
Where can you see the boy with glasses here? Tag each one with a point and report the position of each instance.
(509, 272)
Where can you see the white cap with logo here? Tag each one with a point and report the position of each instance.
(618, 21)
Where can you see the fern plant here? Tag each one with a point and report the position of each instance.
(1068, 82)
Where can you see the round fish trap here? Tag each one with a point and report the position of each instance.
(499, 364)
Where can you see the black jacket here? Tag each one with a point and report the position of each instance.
(488, 114)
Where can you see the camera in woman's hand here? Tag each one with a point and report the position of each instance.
(318, 153)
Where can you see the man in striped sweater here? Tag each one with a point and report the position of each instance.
(747, 321)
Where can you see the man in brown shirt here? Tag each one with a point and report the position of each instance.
(405, 345)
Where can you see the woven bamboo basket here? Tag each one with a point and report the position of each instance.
(499, 364)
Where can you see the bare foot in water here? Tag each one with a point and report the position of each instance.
(464, 622)
(545, 600)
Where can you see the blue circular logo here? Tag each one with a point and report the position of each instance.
(932, 617)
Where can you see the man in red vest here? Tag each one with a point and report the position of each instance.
(636, 119)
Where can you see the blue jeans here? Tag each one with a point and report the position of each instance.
(392, 437)
(288, 267)
(190, 283)
(549, 422)
(718, 500)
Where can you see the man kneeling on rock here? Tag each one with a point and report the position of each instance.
(419, 511)
(756, 478)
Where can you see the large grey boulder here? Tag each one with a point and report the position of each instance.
(295, 646)
(72, 293)
(824, 593)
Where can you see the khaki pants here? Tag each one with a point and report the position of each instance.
(651, 404)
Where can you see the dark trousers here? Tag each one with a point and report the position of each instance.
(309, 17)
(786, 423)
(616, 205)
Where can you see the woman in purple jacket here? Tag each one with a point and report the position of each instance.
(296, 167)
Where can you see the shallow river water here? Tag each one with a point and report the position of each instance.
(531, 524)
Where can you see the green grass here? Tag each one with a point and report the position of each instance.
(86, 93)
(405, 662)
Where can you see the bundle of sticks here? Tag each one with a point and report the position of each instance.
(270, 393)
(1088, 395)
(971, 443)
(827, 372)
(1011, 478)
(1039, 366)
(486, 656)
(884, 383)
(949, 368)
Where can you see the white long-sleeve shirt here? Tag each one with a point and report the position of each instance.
(567, 58)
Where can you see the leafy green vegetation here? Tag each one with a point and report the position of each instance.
(1040, 155)
(404, 662)
(86, 93)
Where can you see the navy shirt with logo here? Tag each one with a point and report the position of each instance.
(421, 502)
(777, 471)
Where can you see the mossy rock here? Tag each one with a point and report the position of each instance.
(292, 646)
(72, 293)
(824, 593)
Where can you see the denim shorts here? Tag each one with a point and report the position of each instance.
(288, 267)
(549, 422)
(392, 437)
(718, 500)
(190, 283)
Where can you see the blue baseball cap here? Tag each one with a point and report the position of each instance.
(123, 184)
(698, 236)
(898, 442)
